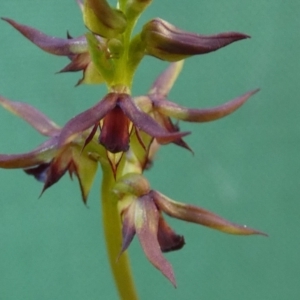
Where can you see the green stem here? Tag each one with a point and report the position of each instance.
(112, 230)
(124, 72)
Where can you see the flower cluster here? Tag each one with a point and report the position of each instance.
(120, 132)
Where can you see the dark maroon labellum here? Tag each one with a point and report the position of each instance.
(115, 131)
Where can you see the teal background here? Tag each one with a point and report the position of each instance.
(246, 167)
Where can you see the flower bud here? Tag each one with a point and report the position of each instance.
(115, 48)
(136, 7)
(166, 42)
(103, 20)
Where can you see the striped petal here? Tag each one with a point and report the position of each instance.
(31, 115)
(145, 123)
(200, 115)
(200, 216)
(128, 226)
(167, 238)
(53, 45)
(166, 79)
(146, 226)
(87, 119)
(41, 154)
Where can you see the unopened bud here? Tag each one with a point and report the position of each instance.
(136, 7)
(103, 20)
(166, 42)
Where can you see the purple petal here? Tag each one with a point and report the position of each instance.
(166, 79)
(146, 225)
(167, 123)
(145, 123)
(82, 62)
(39, 172)
(87, 119)
(128, 227)
(58, 167)
(53, 45)
(167, 238)
(200, 115)
(41, 154)
(31, 115)
(78, 62)
(200, 216)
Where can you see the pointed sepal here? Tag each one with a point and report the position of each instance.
(31, 115)
(58, 167)
(146, 226)
(168, 240)
(82, 62)
(41, 154)
(128, 225)
(200, 216)
(53, 45)
(144, 122)
(87, 119)
(165, 81)
(174, 110)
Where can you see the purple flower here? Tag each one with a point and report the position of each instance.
(142, 211)
(49, 161)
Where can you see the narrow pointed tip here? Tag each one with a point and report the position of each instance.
(42, 192)
(234, 36)
(253, 92)
(184, 145)
(198, 215)
(10, 21)
(6, 19)
(240, 35)
(173, 281)
(171, 137)
(263, 234)
(84, 199)
(254, 231)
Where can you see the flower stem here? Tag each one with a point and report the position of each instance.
(120, 266)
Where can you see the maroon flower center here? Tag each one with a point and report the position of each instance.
(115, 131)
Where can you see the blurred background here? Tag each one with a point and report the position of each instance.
(246, 167)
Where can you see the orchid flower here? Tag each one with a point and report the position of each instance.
(49, 162)
(142, 214)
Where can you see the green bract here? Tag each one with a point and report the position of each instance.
(101, 58)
